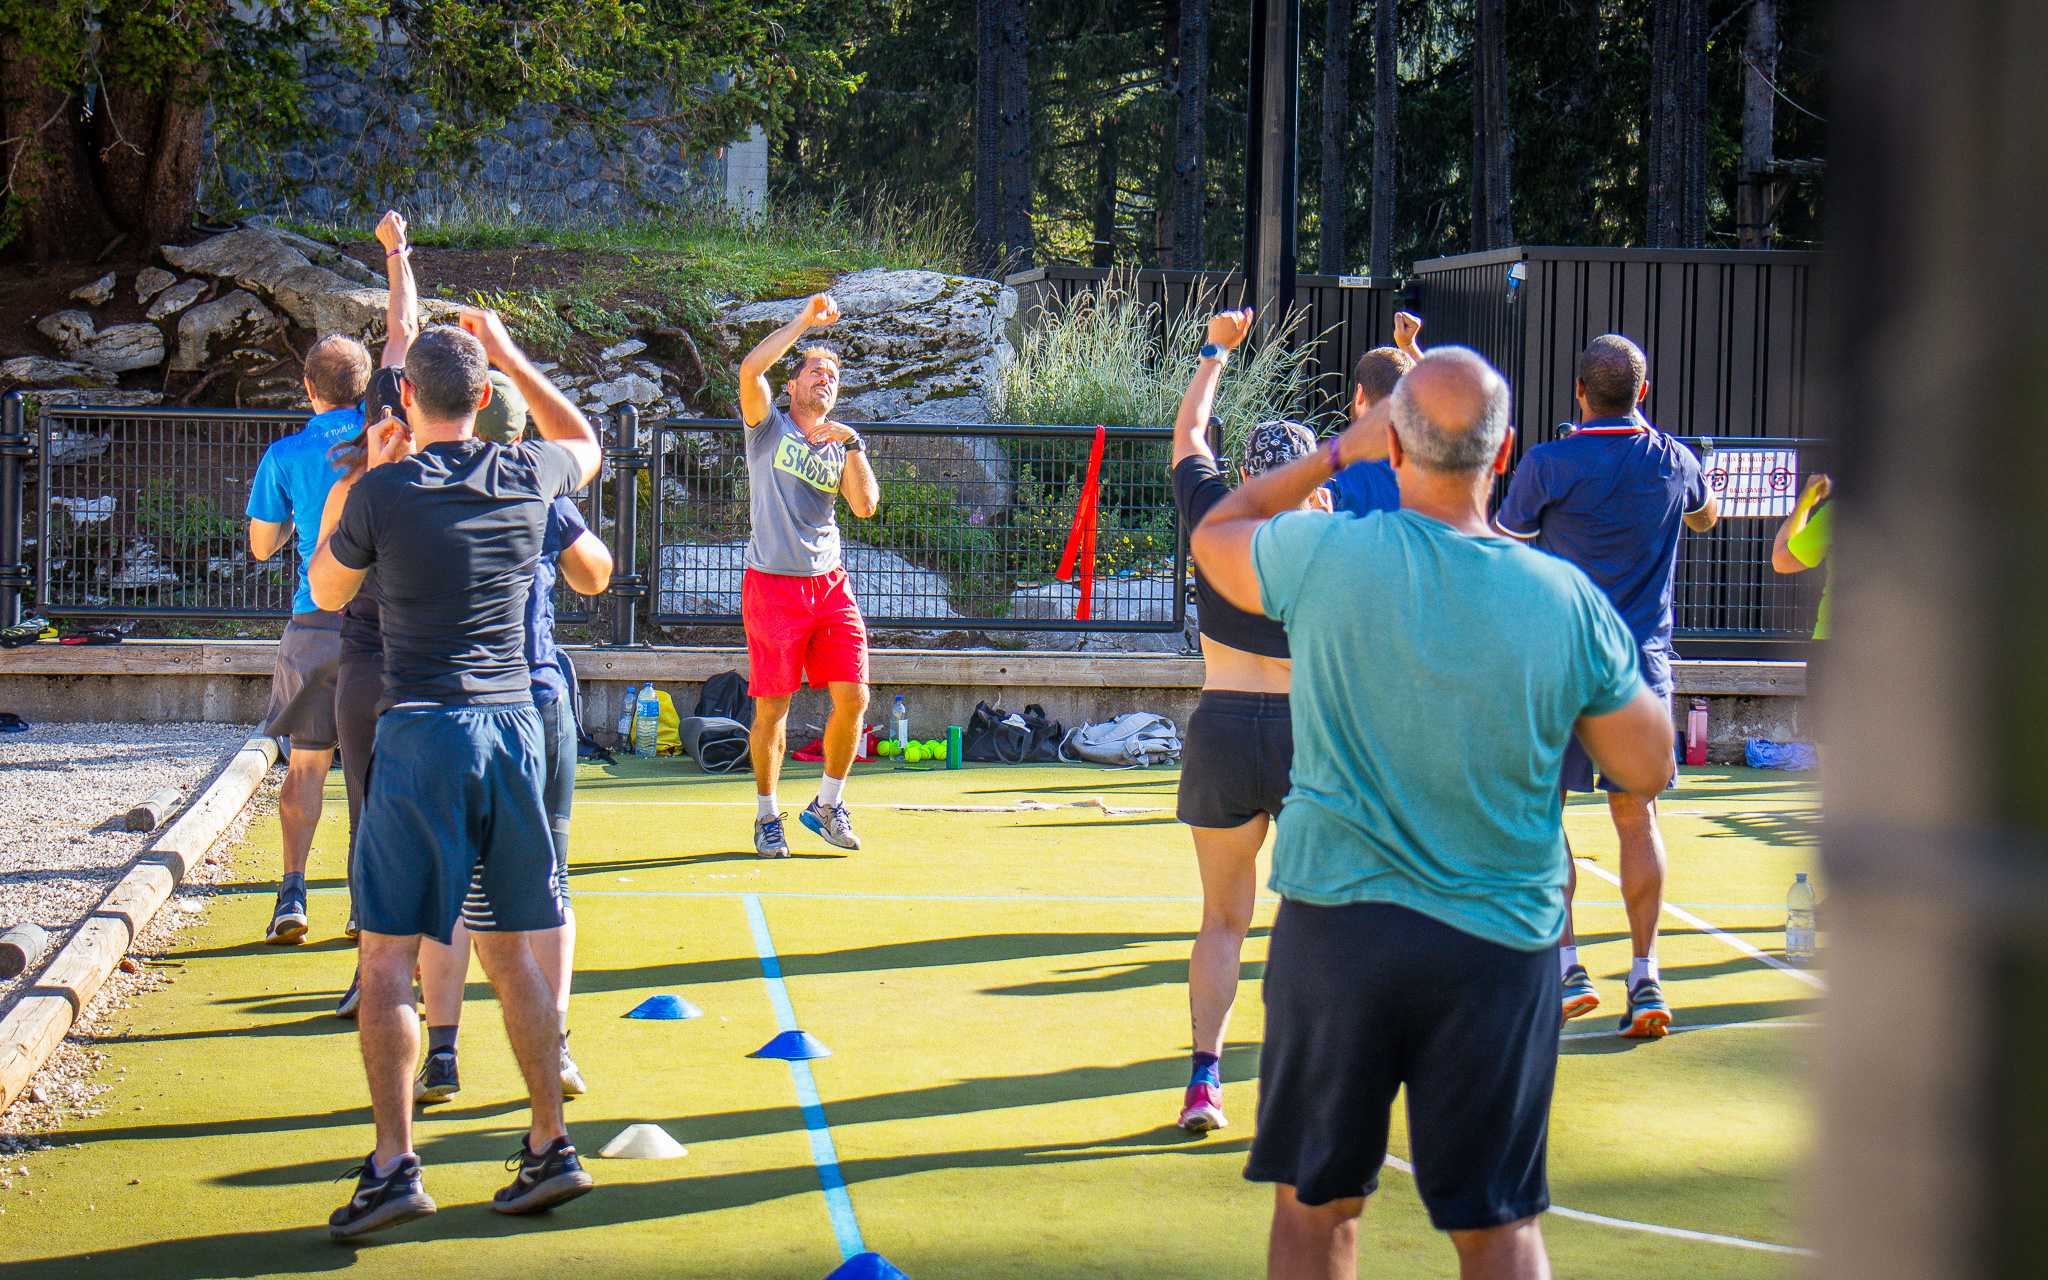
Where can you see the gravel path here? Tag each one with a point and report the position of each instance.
(62, 789)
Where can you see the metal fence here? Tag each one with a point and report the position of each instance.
(1726, 589)
(969, 534)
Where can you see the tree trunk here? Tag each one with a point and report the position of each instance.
(1759, 126)
(988, 141)
(149, 147)
(1102, 247)
(1169, 77)
(1492, 226)
(1386, 72)
(1015, 106)
(1190, 138)
(1335, 209)
(48, 173)
(1677, 160)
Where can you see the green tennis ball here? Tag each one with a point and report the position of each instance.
(885, 748)
(913, 753)
(935, 747)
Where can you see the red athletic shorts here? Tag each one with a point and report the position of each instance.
(798, 627)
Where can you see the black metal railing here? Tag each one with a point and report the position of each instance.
(1726, 588)
(970, 532)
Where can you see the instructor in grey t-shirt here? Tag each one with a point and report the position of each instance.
(795, 600)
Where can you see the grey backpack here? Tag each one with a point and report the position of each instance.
(1140, 738)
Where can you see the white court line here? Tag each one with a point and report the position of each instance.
(1697, 923)
(845, 1227)
(1676, 1233)
(1703, 1026)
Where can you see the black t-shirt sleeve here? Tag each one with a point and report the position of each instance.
(354, 540)
(556, 469)
(1197, 487)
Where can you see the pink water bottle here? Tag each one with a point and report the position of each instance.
(1696, 732)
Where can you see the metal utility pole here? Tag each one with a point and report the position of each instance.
(1933, 1162)
(1271, 213)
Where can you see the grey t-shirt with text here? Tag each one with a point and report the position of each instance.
(793, 485)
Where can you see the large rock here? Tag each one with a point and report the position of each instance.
(208, 333)
(265, 262)
(116, 350)
(105, 399)
(96, 293)
(151, 281)
(68, 329)
(176, 298)
(1111, 600)
(35, 371)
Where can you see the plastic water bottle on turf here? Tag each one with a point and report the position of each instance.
(647, 722)
(626, 729)
(1799, 933)
(899, 722)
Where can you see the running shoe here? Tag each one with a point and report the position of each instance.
(351, 997)
(831, 821)
(1579, 996)
(1648, 1017)
(438, 1080)
(288, 918)
(768, 838)
(544, 1180)
(381, 1202)
(572, 1079)
(1201, 1109)
(350, 931)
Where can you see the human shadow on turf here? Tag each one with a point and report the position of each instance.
(924, 953)
(1124, 977)
(305, 1248)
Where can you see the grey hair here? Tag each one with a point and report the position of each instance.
(1453, 446)
(448, 372)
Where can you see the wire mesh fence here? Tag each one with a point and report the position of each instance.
(970, 531)
(1726, 587)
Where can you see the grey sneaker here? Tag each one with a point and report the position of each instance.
(768, 838)
(438, 1080)
(288, 918)
(831, 821)
(572, 1079)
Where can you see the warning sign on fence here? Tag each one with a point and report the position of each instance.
(1753, 482)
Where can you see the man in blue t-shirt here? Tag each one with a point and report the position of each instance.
(288, 493)
(1368, 484)
(1613, 498)
(1439, 669)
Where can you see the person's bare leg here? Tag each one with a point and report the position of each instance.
(1511, 1252)
(389, 1030)
(1228, 858)
(1317, 1242)
(529, 1009)
(554, 950)
(298, 804)
(444, 972)
(842, 729)
(768, 742)
(1642, 867)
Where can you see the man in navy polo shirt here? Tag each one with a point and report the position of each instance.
(1368, 485)
(1613, 498)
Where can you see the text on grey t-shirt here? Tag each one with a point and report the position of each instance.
(792, 486)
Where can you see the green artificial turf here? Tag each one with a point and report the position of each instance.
(1005, 996)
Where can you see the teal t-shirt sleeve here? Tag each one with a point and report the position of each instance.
(1615, 673)
(268, 499)
(1281, 550)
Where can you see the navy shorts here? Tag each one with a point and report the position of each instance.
(1577, 773)
(1235, 758)
(1365, 998)
(558, 790)
(454, 803)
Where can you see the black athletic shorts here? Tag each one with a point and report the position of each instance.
(1234, 758)
(1365, 998)
(302, 682)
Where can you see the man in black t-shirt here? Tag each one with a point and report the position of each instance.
(453, 526)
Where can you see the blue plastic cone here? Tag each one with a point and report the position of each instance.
(796, 1046)
(867, 1266)
(666, 1009)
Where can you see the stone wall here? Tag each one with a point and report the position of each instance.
(526, 170)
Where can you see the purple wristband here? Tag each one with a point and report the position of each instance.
(1336, 463)
(404, 248)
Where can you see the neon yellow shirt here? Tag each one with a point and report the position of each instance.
(1810, 547)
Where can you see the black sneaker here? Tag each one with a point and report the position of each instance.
(438, 1079)
(288, 919)
(553, 1177)
(381, 1202)
(351, 998)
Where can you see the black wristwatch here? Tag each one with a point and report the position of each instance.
(854, 444)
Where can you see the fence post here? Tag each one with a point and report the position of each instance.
(15, 450)
(628, 585)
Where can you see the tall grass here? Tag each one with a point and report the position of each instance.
(1108, 358)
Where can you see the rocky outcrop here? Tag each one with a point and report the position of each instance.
(211, 333)
(34, 371)
(1111, 600)
(116, 349)
(274, 265)
(705, 578)
(151, 281)
(176, 298)
(96, 293)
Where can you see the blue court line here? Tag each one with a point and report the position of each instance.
(823, 1154)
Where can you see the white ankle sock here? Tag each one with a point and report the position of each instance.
(385, 1168)
(765, 805)
(1642, 969)
(830, 789)
(1566, 958)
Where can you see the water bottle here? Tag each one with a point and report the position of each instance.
(1696, 733)
(1799, 942)
(647, 722)
(626, 729)
(899, 722)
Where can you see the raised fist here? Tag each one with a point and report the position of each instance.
(1406, 327)
(820, 310)
(1228, 329)
(489, 328)
(1817, 488)
(391, 230)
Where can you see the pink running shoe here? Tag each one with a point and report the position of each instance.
(1202, 1109)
